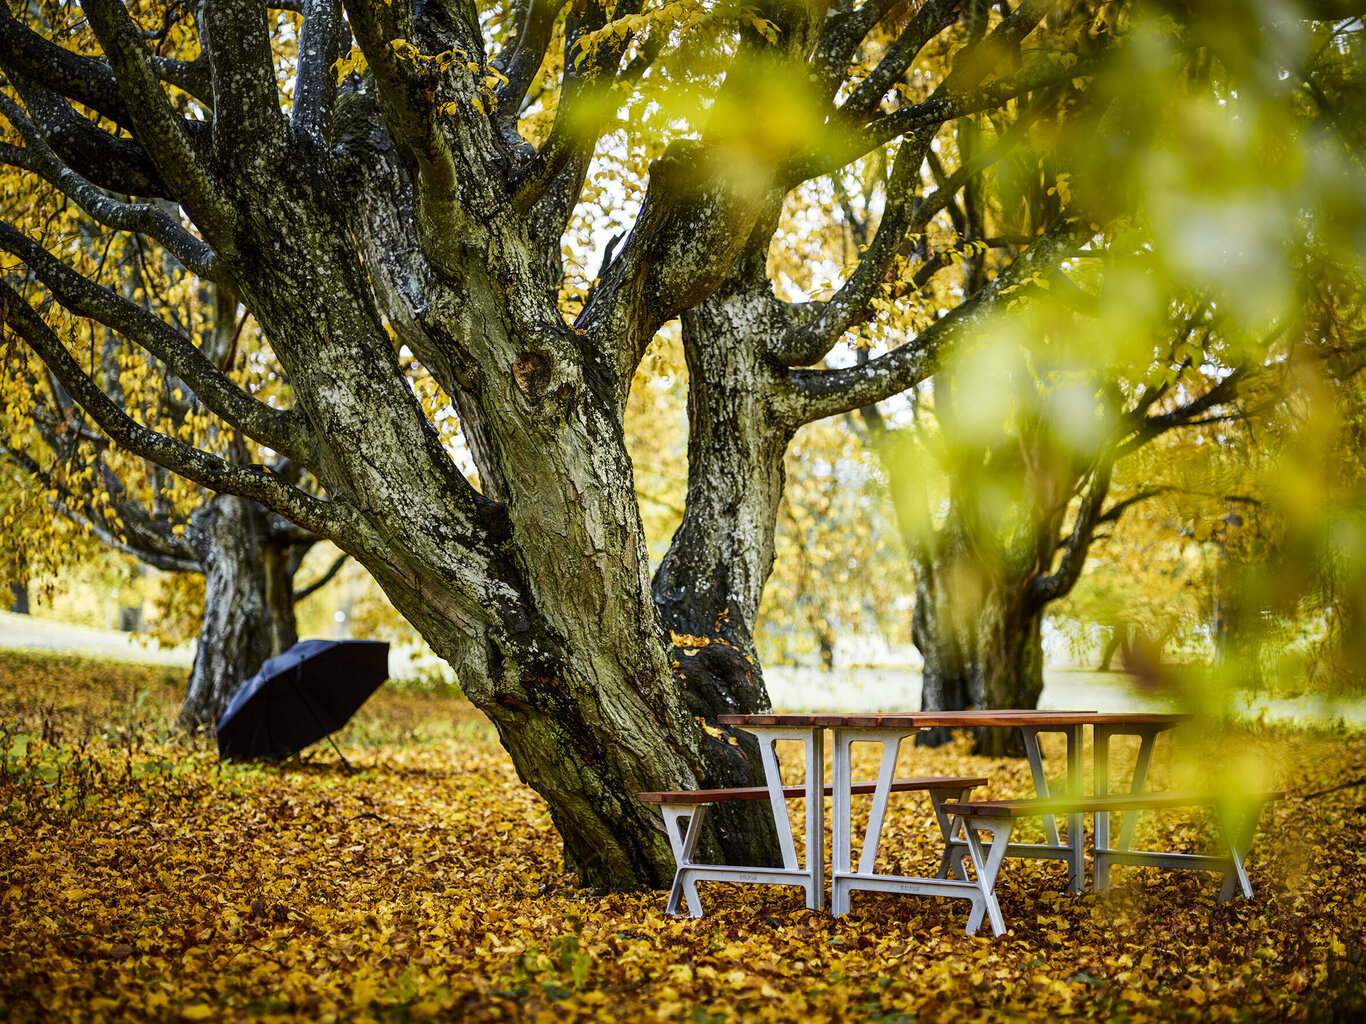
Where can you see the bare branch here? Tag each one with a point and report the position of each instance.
(322, 580)
(328, 519)
(814, 394)
(840, 38)
(1115, 511)
(281, 430)
(156, 223)
(158, 548)
(809, 342)
(1226, 390)
(939, 109)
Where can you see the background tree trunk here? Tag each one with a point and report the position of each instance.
(236, 634)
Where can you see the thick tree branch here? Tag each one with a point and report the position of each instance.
(927, 23)
(88, 81)
(809, 342)
(281, 430)
(246, 115)
(840, 38)
(315, 88)
(161, 131)
(106, 160)
(1117, 510)
(536, 26)
(1051, 586)
(328, 519)
(583, 109)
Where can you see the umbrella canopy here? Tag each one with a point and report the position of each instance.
(301, 696)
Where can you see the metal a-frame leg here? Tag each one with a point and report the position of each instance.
(813, 744)
(987, 863)
(683, 845)
(1076, 838)
(953, 862)
(1238, 834)
(1128, 821)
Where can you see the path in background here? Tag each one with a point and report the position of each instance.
(889, 688)
(28, 631)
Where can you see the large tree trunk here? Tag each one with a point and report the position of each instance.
(996, 662)
(979, 635)
(235, 636)
(1010, 667)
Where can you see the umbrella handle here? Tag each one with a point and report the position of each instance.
(304, 699)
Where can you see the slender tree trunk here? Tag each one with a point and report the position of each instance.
(277, 578)
(1118, 643)
(235, 636)
(18, 596)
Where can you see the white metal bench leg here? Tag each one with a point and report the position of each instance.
(683, 845)
(987, 864)
(1238, 834)
(954, 859)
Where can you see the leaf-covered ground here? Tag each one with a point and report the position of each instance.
(141, 880)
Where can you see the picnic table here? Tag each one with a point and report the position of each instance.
(960, 819)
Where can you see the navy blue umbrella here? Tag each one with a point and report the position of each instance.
(299, 697)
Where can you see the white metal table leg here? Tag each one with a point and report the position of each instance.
(1129, 820)
(876, 816)
(1101, 837)
(1035, 756)
(840, 827)
(1076, 823)
(813, 742)
(1238, 834)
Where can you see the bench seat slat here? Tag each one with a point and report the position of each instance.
(721, 796)
(1025, 808)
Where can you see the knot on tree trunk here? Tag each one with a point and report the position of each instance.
(531, 371)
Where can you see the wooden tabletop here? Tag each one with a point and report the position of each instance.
(956, 719)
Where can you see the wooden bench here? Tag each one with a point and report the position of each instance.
(693, 804)
(1237, 815)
